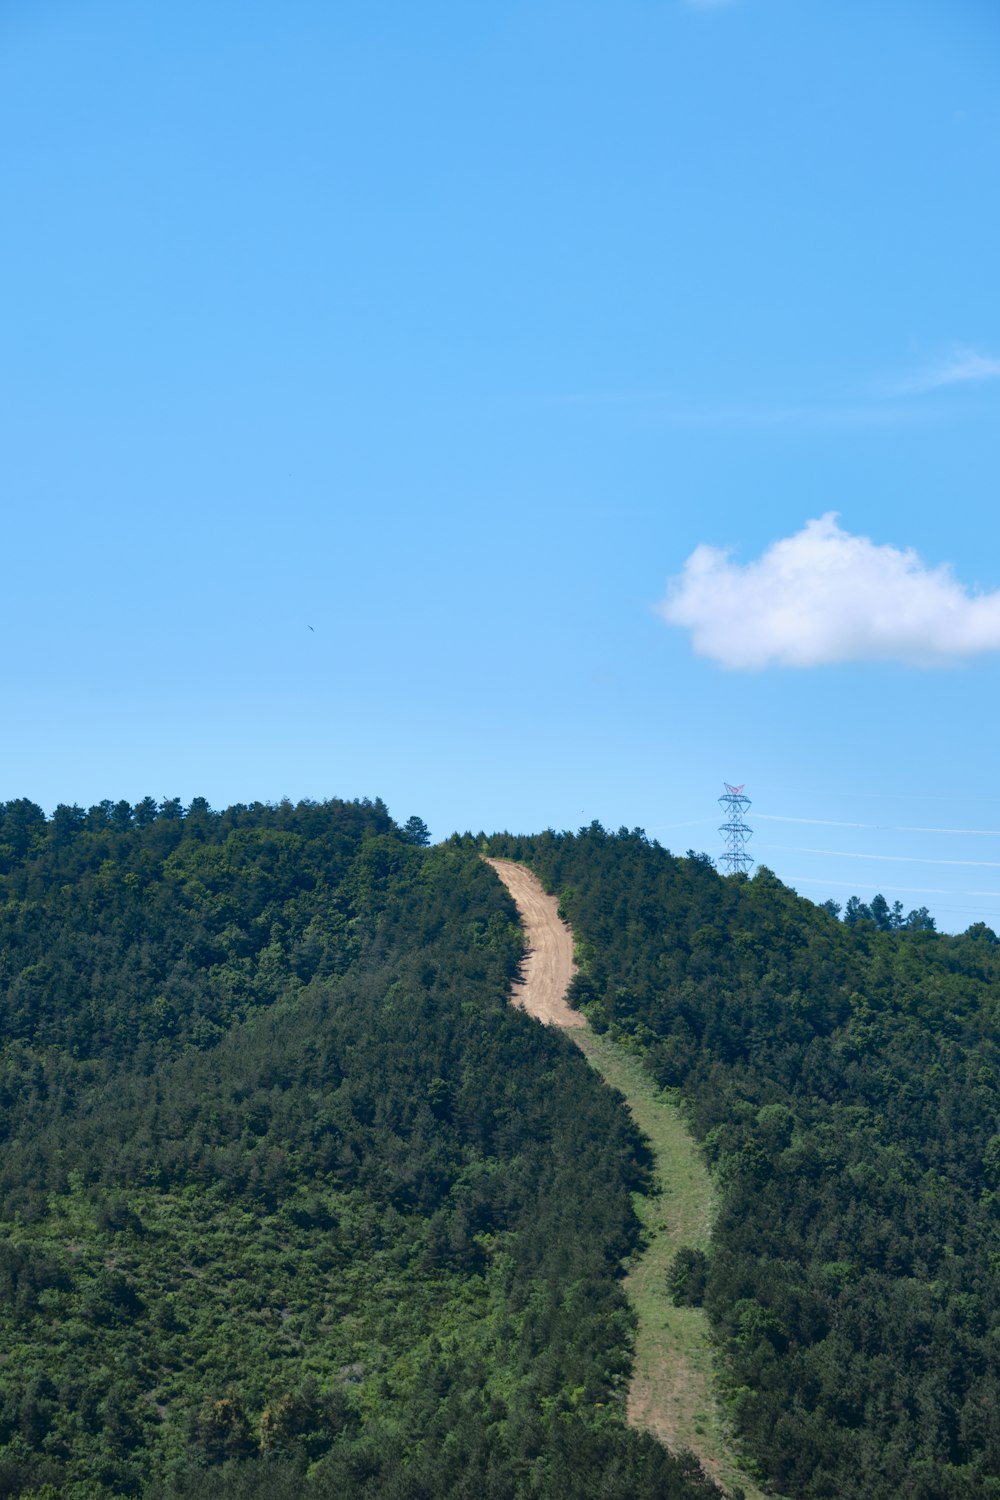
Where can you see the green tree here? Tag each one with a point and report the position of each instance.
(415, 831)
(687, 1277)
(223, 1431)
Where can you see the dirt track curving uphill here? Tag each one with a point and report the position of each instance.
(672, 1391)
(548, 966)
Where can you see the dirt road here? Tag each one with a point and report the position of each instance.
(548, 966)
(672, 1392)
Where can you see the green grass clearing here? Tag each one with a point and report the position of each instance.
(672, 1392)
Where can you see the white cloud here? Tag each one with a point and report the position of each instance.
(961, 367)
(823, 596)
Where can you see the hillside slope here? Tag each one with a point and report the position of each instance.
(293, 1198)
(845, 1085)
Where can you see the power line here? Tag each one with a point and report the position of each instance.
(900, 859)
(861, 885)
(993, 833)
(871, 885)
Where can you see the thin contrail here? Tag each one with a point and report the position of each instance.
(992, 833)
(894, 859)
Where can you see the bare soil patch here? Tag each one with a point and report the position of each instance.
(548, 965)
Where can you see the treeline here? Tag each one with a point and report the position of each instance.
(294, 1202)
(844, 1080)
(881, 915)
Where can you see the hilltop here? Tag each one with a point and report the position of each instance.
(842, 1080)
(295, 1202)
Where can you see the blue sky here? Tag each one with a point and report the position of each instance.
(453, 331)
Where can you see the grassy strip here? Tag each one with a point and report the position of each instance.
(672, 1392)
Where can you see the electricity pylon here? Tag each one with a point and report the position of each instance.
(735, 831)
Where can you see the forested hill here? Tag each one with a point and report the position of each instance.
(294, 1203)
(844, 1083)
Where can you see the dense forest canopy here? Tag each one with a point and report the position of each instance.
(844, 1079)
(294, 1203)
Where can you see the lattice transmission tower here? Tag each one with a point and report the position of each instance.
(735, 831)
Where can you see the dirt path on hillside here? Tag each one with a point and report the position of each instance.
(548, 965)
(672, 1391)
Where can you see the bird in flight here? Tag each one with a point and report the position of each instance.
(313, 631)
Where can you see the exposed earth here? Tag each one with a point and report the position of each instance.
(672, 1390)
(548, 966)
